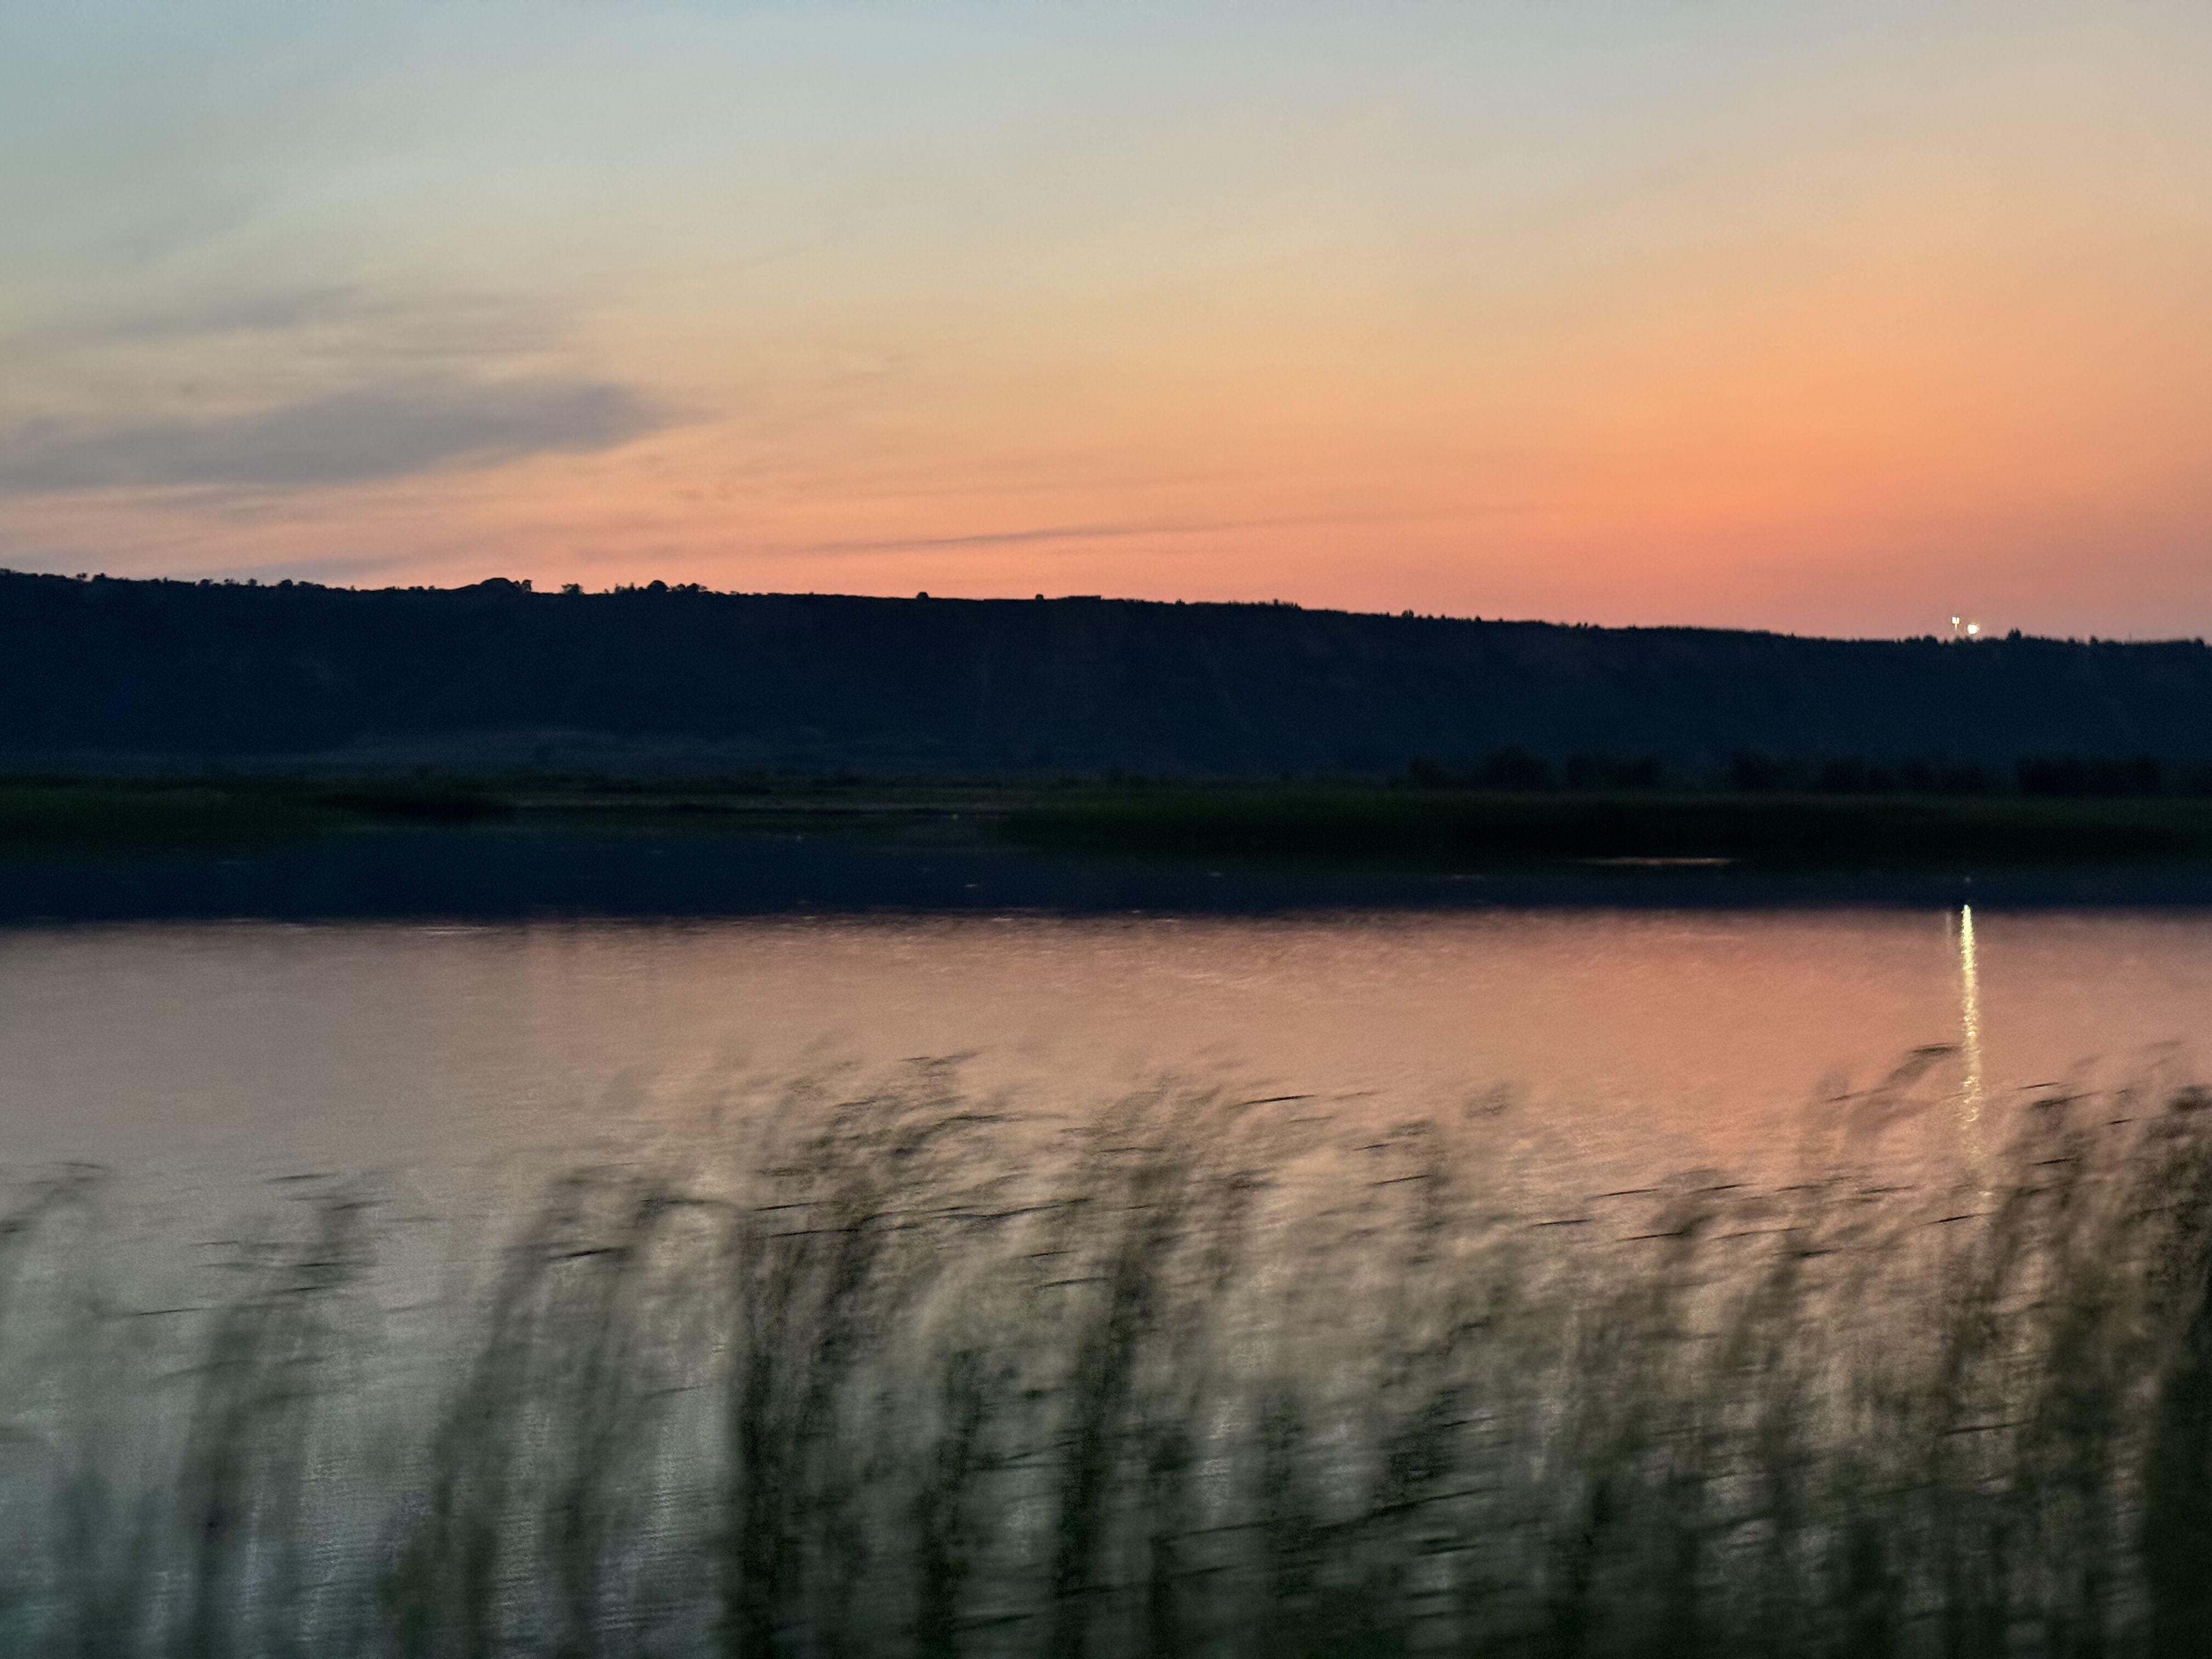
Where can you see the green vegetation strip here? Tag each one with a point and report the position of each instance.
(124, 818)
(1419, 829)
(103, 818)
(1422, 828)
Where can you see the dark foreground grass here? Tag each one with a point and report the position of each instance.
(1201, 1377)
(1448, 828)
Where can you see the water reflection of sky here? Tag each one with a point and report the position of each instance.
(1689, 1039)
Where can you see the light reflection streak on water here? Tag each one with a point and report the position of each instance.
(1970, 1037)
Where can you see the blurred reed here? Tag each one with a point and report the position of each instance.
(1199, 1377)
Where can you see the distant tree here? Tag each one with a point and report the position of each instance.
(1851, 775)
(1516, 768)
(1752, 770)
(2078, 774)
(1614, 772)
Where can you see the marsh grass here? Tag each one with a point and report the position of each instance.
(1460, 828)
(101, 818)
(1198, 1376)
(108, 817)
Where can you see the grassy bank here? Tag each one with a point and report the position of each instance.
(1200, 1377)
(111, 818)
(1333, 826)
(1447, 829)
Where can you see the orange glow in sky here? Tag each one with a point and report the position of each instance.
(1833, 323)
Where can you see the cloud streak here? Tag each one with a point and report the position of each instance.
(1120, 530)
(357, 435)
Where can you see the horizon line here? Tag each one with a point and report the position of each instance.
(658, 586)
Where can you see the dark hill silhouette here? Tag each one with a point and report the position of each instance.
(122, 675)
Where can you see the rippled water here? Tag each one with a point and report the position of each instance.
(221, 1054)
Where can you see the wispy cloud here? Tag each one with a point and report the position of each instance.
(1108, 530)
(1058, 533)
(342, 325)
(253, 313)
(395, 429)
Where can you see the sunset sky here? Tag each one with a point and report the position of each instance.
(1837, 318)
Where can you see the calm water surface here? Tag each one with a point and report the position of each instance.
(328, 1312)
(1616, 1042)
